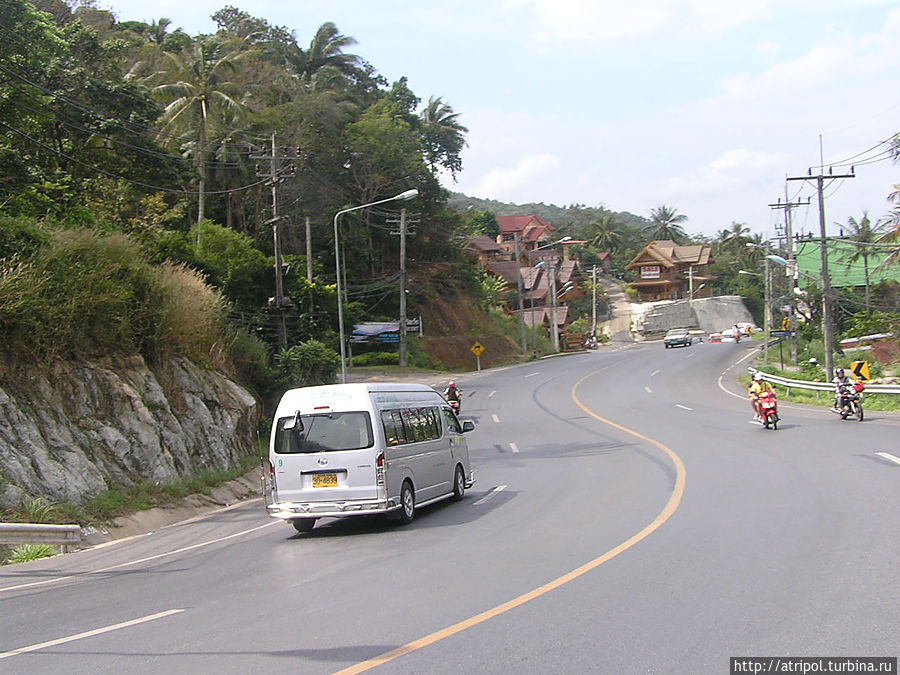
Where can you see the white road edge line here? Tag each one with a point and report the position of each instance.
(648, 390)
(532, 374)
(655, 372)
(513, 447)
(492, 393)
(141, 560)
(683, 407)
(889, 457)
(490, 495)
(90, 633)
(496, 419)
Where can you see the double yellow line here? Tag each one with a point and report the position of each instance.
(670, 508)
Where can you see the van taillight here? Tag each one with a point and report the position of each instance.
(272, 474)
(379, 469)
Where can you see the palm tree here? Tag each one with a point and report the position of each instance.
(198, 87)
(443, 135)
(326, 50)
(736, 237)
(665, 224)
(862, 235)
(607, 235)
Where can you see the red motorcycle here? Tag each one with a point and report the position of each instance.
(768, 409)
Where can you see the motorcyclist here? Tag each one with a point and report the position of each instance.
(840, 380)
(452, 392)
(757, 386)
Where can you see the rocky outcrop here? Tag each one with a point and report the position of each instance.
(81, 428)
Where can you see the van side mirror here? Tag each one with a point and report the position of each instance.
(468, 425)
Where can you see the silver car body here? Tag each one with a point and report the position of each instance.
(346, 449)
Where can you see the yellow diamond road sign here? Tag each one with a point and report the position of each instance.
(476, 349)
(860, 370)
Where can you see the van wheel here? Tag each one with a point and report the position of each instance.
(303, 524)
(407, 503)
(459, 483)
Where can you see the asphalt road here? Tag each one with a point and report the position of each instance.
(628, 517)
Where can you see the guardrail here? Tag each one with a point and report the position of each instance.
(64, 536)
(822, 386)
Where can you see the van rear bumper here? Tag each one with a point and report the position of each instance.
(361, 507)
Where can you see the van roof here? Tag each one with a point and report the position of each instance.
(356, 396)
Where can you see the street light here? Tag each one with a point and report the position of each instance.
(533, 328)
(409, 194)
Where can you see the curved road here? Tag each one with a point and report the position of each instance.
(628, 517)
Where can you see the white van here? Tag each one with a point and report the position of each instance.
(359, 449)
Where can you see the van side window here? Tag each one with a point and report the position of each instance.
(410, 425)
(452, 422)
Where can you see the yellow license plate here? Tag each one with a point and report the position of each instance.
(323, 480)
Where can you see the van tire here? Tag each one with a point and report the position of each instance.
(407, 503)
(303, 524)
(459, 483)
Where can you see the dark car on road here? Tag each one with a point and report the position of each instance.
(677, 337)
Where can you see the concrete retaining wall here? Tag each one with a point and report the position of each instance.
(706, 314)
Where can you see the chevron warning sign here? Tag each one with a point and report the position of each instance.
(860, 370)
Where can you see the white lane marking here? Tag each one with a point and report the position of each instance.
(496, 419)
(87, 634)
(889, 457)
(490, 495)
(690, 356)
(532, 374)
(513, 447)
(492, 393)
(683, 407)
(655, 372)
(648, 390)
(141, 560)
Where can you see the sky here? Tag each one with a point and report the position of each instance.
(704, 106)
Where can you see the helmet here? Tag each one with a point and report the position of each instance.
(758, 376)
(452, 383)
(839, 372)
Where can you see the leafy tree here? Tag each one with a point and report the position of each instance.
(607, 232)
(735, 238)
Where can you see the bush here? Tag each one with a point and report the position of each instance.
(307, 363)
(29, 552)
(377, 359)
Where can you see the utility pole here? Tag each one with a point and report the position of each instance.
(401, 359)
(519, 287)
(594, 302)
(826, 282)
(276, 175)
(791, 270)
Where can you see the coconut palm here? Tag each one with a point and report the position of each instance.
(326, 50)
(608, 236)
(198, 87)
(443, 136)
(863, 234)
(735, 238)
(665, 224)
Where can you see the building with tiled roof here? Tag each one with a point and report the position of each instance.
(530, 230)
(666, 271)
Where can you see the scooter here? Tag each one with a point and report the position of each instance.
(851, 401)
(768, 410)
(454, 405)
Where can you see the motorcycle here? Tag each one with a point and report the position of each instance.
(850, 401)
(768, 409)
(454, 405)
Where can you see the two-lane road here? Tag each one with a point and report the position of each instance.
(627, 518)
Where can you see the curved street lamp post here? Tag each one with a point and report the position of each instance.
(409, 194)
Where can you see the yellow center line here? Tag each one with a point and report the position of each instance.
(670, 508)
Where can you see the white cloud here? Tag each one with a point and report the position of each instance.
(728, 171)
(504, 183)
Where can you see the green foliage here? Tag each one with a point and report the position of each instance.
(376, 359)
(29, 552)
(306, 364)
(579, 326)
(38, 510)
(863, 323)
(490, 290)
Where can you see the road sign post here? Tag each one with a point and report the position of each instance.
(477, 349)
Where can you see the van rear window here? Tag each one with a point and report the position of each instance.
(324, 433)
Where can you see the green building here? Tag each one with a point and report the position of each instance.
(841, 272)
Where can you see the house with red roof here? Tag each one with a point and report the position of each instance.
(666, 271)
